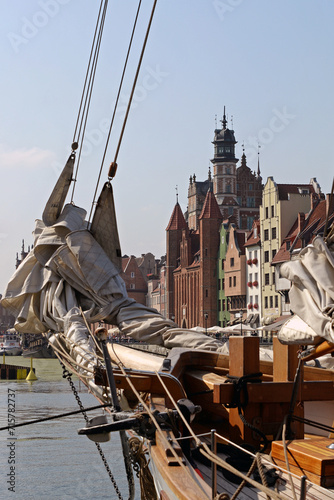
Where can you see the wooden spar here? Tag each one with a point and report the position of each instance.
(319, 350)
(134, 358)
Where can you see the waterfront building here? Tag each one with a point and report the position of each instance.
(303, 231)
(280, 206)
(253, 275)
(223, 313)
(235, 273)
(191, 262)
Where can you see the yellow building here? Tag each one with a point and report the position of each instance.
(280, 206)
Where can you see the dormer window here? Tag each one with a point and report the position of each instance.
(303, 191)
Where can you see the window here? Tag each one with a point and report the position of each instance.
(271, 299)
(267, 214)
(223, 263)
(232, 261)
(223, 284)
(206, 293)
(288, 245)
(273, 253)
(250, 277)
(266, 279)
(250, 201)
(255, 254)
(256, 277)
(266, 256)
(276, 300)
(219, 305)
(223, 304)
(230, 210)
(250, 187)
(234, 281)
(230, 281)
(228, 188)
(132, 286)
(266, 234)
(266, 302)
(250, 221)
(273, 278)
(132, 275)
(228, 170)
(273, 233)
(272, 211)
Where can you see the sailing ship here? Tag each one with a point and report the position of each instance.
(208, 420)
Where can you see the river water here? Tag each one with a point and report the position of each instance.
(49, 460)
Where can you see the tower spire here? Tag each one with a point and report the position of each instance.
(258, 160)
(224, 121)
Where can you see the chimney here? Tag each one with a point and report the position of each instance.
(327, 203)
(301, 220)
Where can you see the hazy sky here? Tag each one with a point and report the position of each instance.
(269, 62)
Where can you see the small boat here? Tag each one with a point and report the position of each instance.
(10, 343)
(36, 346)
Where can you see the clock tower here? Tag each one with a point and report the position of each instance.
(225, 170)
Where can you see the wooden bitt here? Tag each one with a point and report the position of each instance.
(244, 360)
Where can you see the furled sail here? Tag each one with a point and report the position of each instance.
(312, 293)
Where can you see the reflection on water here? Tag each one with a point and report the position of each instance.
(51, 460)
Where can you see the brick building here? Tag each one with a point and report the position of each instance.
(192, 266)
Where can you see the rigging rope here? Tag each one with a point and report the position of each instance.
(84, 106)
(113, 165)
(115, 108)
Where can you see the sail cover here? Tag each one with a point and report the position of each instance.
(67, 271)
(312, 292)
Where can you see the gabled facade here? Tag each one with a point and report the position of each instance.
(174, 233)
(280, 206)
(194, 286)
(223, 314)
(135, 283)
(235, 273)
(253, 275)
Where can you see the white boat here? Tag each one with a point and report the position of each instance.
(10, 343)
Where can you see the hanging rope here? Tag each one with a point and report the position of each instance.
(84, 106)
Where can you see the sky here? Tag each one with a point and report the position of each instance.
(269, 63)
